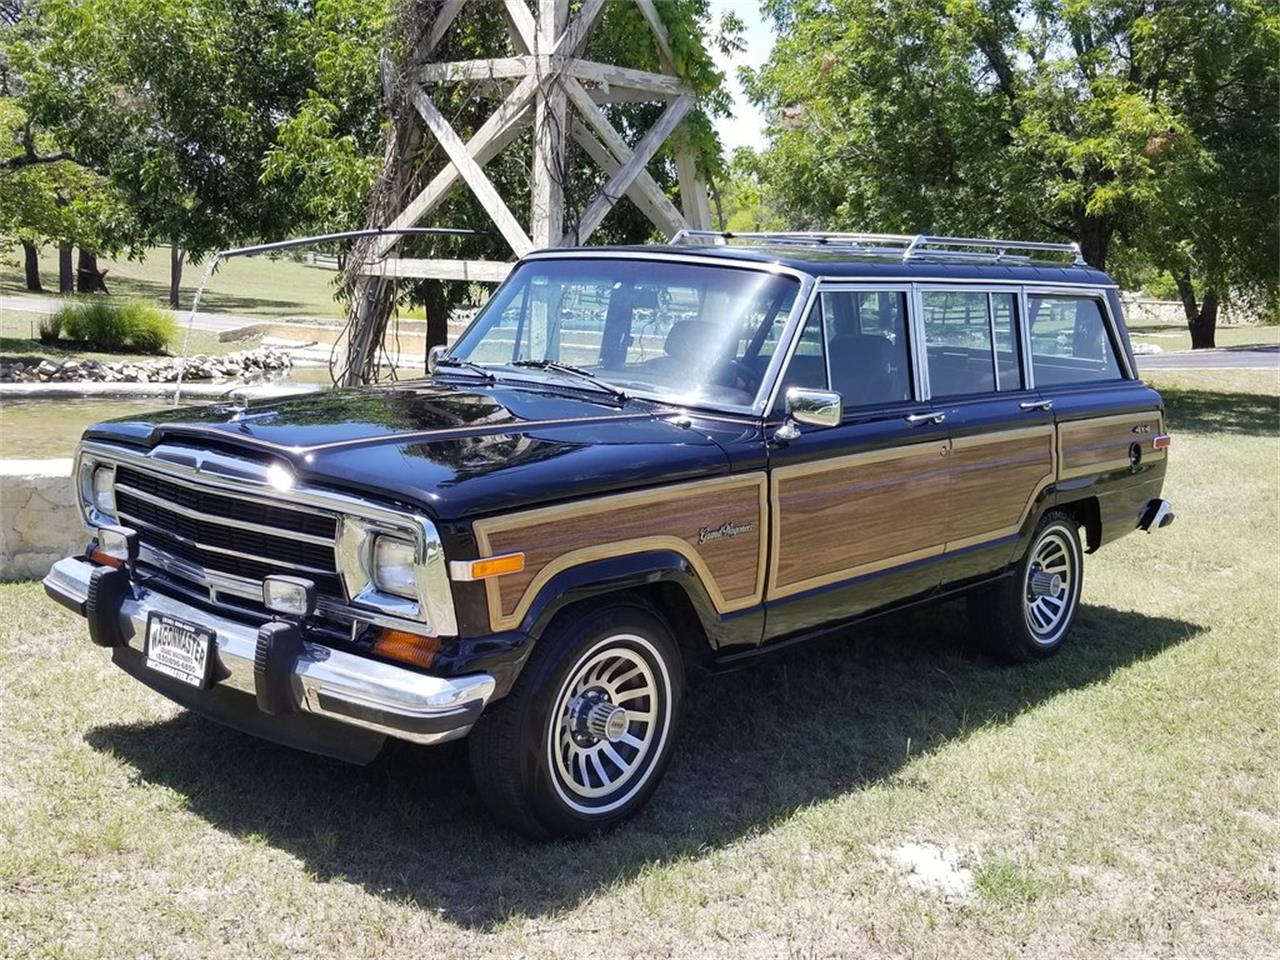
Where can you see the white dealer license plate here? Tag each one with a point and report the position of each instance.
(179, 649)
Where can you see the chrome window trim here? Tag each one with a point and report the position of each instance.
(1024, 334)
(181, 465)
(991, 332)
(769, 378)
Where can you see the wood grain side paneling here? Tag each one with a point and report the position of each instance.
(1102, 443)
(845, 517)
(717, 525)
(995, 479)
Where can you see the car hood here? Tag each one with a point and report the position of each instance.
(456, 448)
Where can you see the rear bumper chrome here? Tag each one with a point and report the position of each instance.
(319, 682)
(1156, 514)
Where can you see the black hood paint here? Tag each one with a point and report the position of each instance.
(457, 448)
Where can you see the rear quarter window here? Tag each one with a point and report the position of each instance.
(1070, 341)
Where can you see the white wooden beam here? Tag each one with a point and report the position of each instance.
(659, 29)
(522, 20)
(458, 71)
(446, 12)
(470, 172)
(476, 271)
(493, 136)
(627, 173)
(574, 36)
(602, 128)
(693, 192)
(546, 195)
(662, 86)
(653, 204)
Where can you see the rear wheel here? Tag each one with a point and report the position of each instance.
(585, 734)
(1027, 616)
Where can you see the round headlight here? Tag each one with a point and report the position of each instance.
(393, 566)
(104, 494)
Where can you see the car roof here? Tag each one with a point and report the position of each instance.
(847, 265)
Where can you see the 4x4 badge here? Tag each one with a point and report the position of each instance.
(724, 531)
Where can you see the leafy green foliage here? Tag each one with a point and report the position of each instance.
(112, 326)
(1148, 127)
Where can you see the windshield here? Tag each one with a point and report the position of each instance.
(681, 333)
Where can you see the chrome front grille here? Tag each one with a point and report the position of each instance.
(221, 533)
(215, 524)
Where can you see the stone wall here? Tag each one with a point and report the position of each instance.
(39, 520)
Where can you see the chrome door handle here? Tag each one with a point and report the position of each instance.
(1036, 405)
(926, 417)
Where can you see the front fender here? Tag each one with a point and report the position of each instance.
(503, 654)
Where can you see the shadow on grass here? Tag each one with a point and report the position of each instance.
(837, 716)
(1208, 411)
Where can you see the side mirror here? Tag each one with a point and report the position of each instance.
(818, 408)
(434, 355)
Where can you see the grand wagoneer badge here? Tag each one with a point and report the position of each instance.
(724, 531)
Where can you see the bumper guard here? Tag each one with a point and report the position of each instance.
(269, 681)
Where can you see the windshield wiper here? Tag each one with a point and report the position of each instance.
(485, 374)
(572, 371)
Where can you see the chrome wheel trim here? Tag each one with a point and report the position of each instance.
(598, 777)
(1048, 615)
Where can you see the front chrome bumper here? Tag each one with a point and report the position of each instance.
(326, 684)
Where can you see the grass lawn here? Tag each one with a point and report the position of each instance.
(1119, 800)
(1177, 338)
(252, 286)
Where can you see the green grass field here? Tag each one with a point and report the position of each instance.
(1119, 800)
(1234, 335)
(251, 286)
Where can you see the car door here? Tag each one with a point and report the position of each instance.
(857, 509)
(1002, 432)
(1107, 419)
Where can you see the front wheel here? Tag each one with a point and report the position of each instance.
(1026, 616)
(584, 736)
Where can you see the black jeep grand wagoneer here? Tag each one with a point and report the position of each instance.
(633, 460)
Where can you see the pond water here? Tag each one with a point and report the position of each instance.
(34, 429)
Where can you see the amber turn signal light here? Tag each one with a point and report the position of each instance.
(406, 647)
(486, 567)
(99, 556)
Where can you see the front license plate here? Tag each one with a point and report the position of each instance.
(179, 649)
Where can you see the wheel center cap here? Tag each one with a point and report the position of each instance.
(1046, 584)
(607, 721)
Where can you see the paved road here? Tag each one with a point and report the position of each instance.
(203, 321)
(1262, 357)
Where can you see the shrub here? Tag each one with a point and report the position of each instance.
(110, 326)
(50, 327)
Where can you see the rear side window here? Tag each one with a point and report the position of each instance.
(957, 331)
(1069, 341)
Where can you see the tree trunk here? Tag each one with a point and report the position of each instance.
(66, 274)
(31, 258)
(88, 278)
(1202, 319)
(177, 256)
(437, 308)
(1095, 239)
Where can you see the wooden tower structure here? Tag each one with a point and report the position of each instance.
(547, 84)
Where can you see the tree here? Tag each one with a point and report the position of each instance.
(45, 195)
(176, 103)
(1045, 119)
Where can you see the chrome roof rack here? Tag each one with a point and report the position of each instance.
(896, 245)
